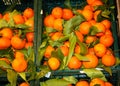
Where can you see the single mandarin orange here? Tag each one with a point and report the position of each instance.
(88, 14)
(92, 61)
(24, 84)
(100, 49)
(67, 14)
(108, 84)
(107, 40)
(84, 27)
(89, 39)
(58, 24)
(96, 14)
(82, 83)
(79, 35)
(56, 36)
(18, 19)
(107, 23)
(74, 63)
(48, 51)
(54, 63)
(97, 81)
(65, 50)
(28, 12)
(57, 12)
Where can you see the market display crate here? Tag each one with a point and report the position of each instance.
(44, 9)
(8, 75)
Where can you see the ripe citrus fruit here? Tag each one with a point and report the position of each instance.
(107, 23)
(74, 63)
(58, 24)
(82, 83)
(79, 36)
(100, 49)
(108, 60)
(90, 1)
(96, 14)
(18, 19)
(28, 12)
(30, 36)
(24, 84)
(88, 14)
(18, 55)
(77, 49)
(89, 39)
(97, 81)
(65, 50)
(107, 40)
(17, 42)
(56, 36)
(108, 84)
(30, 23)
(49, 20)
(4, 43)
(67, 14)
(92, 61)
(19, 65)
(28, 44)
(6, 17)
(57, 12)
(53, 63)
(84, 28)
(6, 32)
(48, 51)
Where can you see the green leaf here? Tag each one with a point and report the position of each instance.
(3, 23)
(94, 73)
(106, 13)
(71, 24)
(12, 77)
(72, 41)
(81, 57)
(5, 65)
(67, 4)
(93, 30)
(23, 75)
(21, 26)
(55, 82)
(83, 48)
(71, 79)
(50, 29)
(108, 69)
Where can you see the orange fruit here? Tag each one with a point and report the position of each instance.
(92, 22)
(28, 12)
(30, 23)
(82, 83)
(48, 51)
(108, 32)
(74, 63)
(5, 59)
(88, 14)
(107, 40)
(90, 1)
(79, 11)
(18, 19)
(84, 28)
(6, 17)
(100, 49)
(93, 61)
(79, 35)
(19, 65)
(67, 43)
(65, 50)
(77, 49)
(91, 51)
(18, 55)
(24, 84)
(58, 24)
(95, 14)
(108, 60)
(67, 14)
(57, 12)
(53, 63)
(88, 7)
(17, 42)
(97, 3)
(89, 39)
(28, 44)
(1, 16)
(56, 36)
(108, 84)
(107, 23)
(100, 28)
(6, 32)
(49, 20)
(4, 43)
(30, 36)
(97, 81)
